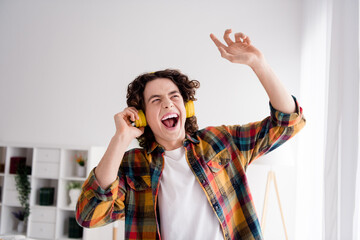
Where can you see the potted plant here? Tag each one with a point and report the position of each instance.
(80, 160)
(23, 187)
(20, 216)
(74, 192)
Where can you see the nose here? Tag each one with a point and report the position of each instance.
(167, 103)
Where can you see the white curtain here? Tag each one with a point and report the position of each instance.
(327, 196)
(342, 141)
(311, 153)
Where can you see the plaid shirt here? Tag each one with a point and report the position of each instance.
(218, 157)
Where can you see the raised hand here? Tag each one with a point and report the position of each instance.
(123, 123)
(241, 51)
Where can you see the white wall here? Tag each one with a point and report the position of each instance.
(65, 66)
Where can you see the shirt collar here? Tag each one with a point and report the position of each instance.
(155, 145)
(191, 139)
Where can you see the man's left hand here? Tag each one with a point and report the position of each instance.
(241, 51)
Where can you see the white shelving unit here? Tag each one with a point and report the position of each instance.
(51, 166)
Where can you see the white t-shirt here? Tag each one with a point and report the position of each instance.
(185, 212)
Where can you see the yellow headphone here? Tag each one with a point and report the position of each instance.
(189, 107)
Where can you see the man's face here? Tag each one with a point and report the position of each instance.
(165, 112)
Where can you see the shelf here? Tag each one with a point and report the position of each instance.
(71, 209)
(69, 168)
(66, 238)
(9, 226)
(9, 192)
(18, 152)
(13, 175)
(43, 207)
(63, 221)
(51, 167)
(64, 199)
(44, 178)
(37, 185)
(11, 205)
(79, 179)
(13, 235)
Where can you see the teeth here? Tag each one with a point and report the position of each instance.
(169, 116)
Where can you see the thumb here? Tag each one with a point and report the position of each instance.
(223, 53)
(140, 131)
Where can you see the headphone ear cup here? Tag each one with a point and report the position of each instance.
(190, 109)
(141, 122)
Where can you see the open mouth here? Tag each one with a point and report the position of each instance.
(170, 120)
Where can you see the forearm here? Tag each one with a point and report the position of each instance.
(107, 204)
(107, 170)
(278, 95)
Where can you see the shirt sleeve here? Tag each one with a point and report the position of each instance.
(257, 138)
(97, 206)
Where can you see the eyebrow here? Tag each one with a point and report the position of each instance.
(170, 93)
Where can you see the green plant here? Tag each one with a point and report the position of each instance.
(74, 185)
(23, 187)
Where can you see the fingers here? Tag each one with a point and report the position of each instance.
(241, 37)
(124, 122)
(216, 41)
(133, 113)
(227, 37)
(128, 114)
(247, 40)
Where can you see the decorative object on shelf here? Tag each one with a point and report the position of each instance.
(20, 216)
(75, 231)
(74, 193)
(47, 196)
(15, 162)
(80, 167)
(23, 187)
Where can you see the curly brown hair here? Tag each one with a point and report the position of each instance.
(135, 98)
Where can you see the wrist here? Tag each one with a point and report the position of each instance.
(258, 62)
(123, 138)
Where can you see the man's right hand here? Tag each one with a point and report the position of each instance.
(107, 169)
(124, 126)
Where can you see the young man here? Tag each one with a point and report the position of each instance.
(186, 183)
